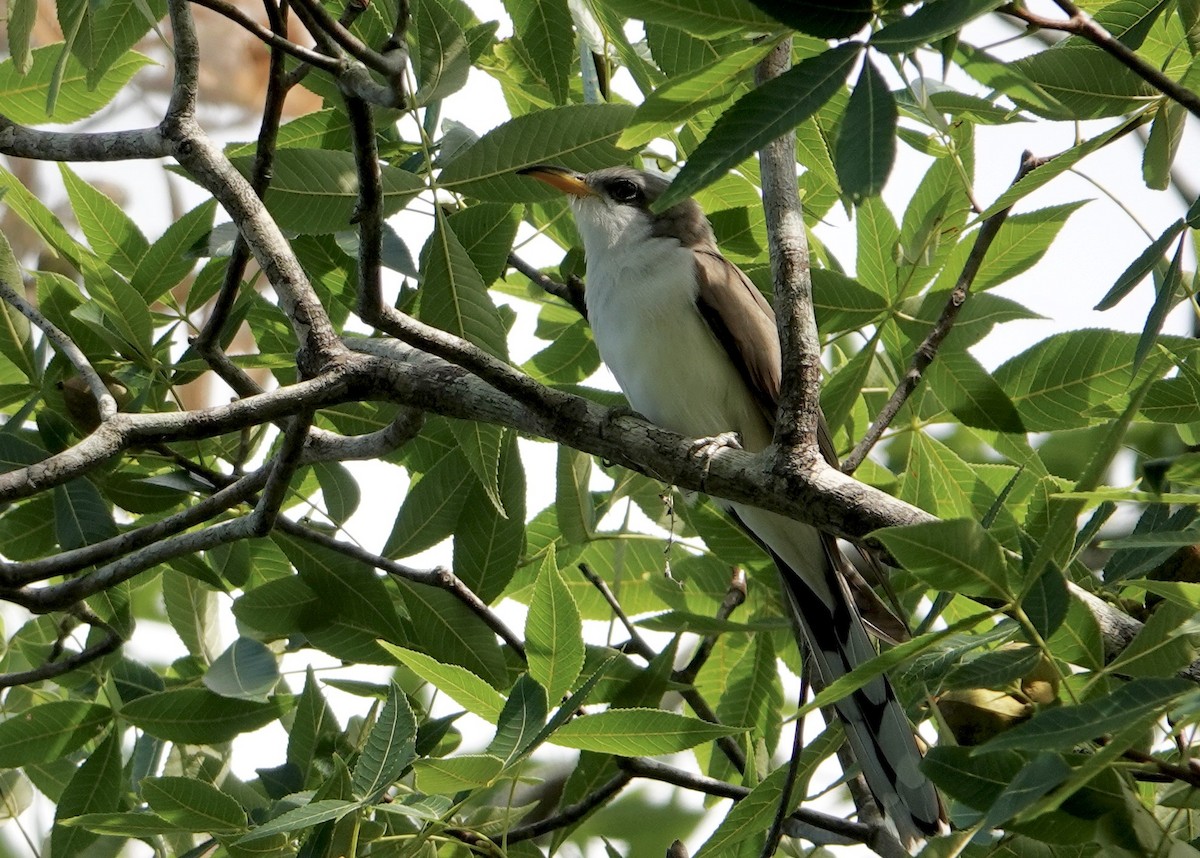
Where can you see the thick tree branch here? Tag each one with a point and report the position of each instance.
(800, 344)
(1079, 24)
(928, 349)
(132, 145)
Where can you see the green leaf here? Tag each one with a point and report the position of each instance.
(929, 23)
(825, 20)
(842, 303)
(24, 95)
(49, 731)
(681, 98)
(455, 299)
(866, 143)
(166, 262)
(247, 670)
(1162, 647)
(1063, 728)
(279, 607)
(1022, 241)
(1086, 80)
(972, 395)
(448, 630)
(877, 235)
(1064, 381)
(192, 611)
(638, 732)
(311, 814)
(450, 775)
(957, 556)
(81, 517)
(123, 824)
(432, 507)
(197, 716)
(579, 136)
(486, 232)
(759, 117)
(521, 721)
(1166, 132)
(106, 31)
(1140, 267)
(572, 496)
(997, 669)
(390, 747)
(95, 787)
(193, 805)
(1168, 289)
(553, 633)
(314, 191)
(111, 233)
(442, 60)
(313, 724)
(481, 444)
(348, 589)
(22, 15)
(339, 490)
(1053, 168)
(459, 684)
(547, 39)
(711, 18)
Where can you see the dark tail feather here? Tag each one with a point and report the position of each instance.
(879, 732)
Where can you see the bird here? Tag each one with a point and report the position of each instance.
(693, 345)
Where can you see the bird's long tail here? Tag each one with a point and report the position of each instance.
(878, 730)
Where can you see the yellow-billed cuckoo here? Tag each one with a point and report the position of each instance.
(693, 345)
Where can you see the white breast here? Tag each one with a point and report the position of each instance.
(642, 309)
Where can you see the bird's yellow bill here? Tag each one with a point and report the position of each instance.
(567, 181)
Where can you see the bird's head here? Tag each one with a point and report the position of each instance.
(612, 206)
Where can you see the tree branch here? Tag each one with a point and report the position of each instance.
(133, 145)
(928, 349)
(800, 392)
(572, 291)
(1078, 24)
(812, 825)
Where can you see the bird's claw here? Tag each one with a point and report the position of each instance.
(706, 448)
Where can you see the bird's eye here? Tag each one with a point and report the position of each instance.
(625, 191)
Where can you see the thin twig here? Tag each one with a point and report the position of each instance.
(349, 42)
(209, 341)
(840, 830)
(636, 642)
(569, 815)
(75, 560)
(771, 844)
(928, 349)
(1078, 24)
(313, 58)
(106, 405)
(53, 667)
(572, 291)
(439, 577)
(735, 596)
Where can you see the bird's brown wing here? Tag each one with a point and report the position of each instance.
(744, 323)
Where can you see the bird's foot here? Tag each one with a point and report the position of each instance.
(706, 448)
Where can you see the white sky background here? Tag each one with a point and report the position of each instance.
(1096, 244)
